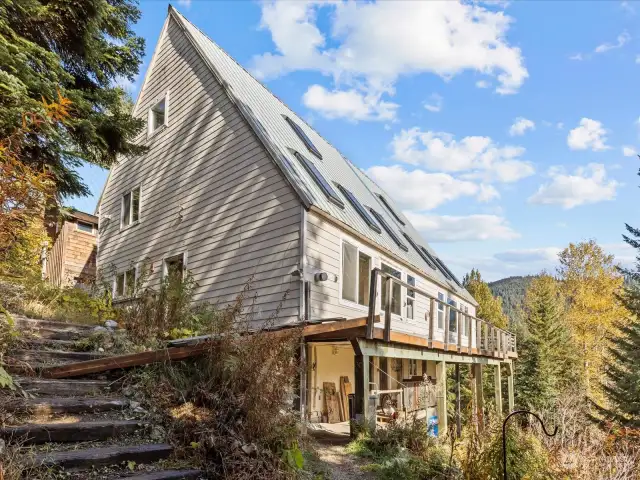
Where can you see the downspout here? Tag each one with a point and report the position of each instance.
(303, 316)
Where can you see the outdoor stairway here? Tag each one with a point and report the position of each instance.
(80, 428)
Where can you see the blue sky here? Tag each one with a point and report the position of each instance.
(504, 131)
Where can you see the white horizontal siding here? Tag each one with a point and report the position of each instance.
(323, 253)
(208, 188)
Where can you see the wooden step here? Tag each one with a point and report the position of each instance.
(49, 343)
(168, 475)
(54, 356)
(93, 457)
(36, 323)
(69, 432)
(67, 405)
(70, 333)
(65, 388)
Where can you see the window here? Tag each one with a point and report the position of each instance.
(386, 203)
(158, 116)
(411, 297)
(464, 326)
(320, 180)
(413, 367)
(360, 209)
(356, 275)
(453, 326)
(303, 136)
(420, 251)
(131, 207)
(396, 290)
(174, 268)
(126, 283)
(85, 227)
(389, 230)
(441, 310)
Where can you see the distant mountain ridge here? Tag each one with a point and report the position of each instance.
(512, 291)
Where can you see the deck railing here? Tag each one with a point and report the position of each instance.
(482, 338)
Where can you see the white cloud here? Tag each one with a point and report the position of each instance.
(419, 190)
(448, 228)
(529, 255)
(589, 135)
(637, 58)
(578, 57)
(184, 3)
(349, 104)
(478, 156)
(621, 41)
(626, 6)
(434, 104)
(128, 85)
(559, 125)
(586, 185)
(483, 84)
(369, 45)
(628, 151)
(521, 125)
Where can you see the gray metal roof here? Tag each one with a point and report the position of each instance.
(265, 112)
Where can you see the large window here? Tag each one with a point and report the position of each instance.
(130, 211)
(356, 274)
(125, 284)
(411, 297)
(441, 310)
(396, 290)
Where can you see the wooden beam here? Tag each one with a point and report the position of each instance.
(497, 378)
(478, 394)
(511, 387)
(441, 398)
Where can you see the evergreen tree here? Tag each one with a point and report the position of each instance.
(78, 50)
(489, 307)
(623, 363)
(546, 359)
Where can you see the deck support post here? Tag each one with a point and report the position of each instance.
(361, 376)
(303, 386)
(373, 293)
(511, 387)
(458, 403)
(441, 397)
(478, 394)
(497, 377)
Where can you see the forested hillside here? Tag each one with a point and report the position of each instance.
(511, 290)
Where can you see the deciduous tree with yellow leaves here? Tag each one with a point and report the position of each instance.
(590, 281)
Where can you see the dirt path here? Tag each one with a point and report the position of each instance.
(330, 449)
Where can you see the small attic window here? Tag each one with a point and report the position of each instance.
(158, 116)
(360, 209)
(319, 179)
(386, 203)
(303, 136)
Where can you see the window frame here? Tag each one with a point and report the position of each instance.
(394, 236)
(122, 208)
(441, 308)
(359, 249)
(319, 179)
(410, 296)
(387, 205)
(169, 258)
(304, 138)
(359, 208)
(153, 131)
(125, 276)
(93, 228)
(403, 274)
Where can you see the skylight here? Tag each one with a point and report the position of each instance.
(420, 251)
(320, 180)
(448, 272)
(391, 210)
(360, 209)
(389, 230)
(303, 136)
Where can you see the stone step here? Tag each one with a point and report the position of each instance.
(56, 405)
(31, 434)
(53, 356)
(65, 388)
(36, 323)
(94, 457)
(70, 333)
(168, 475)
